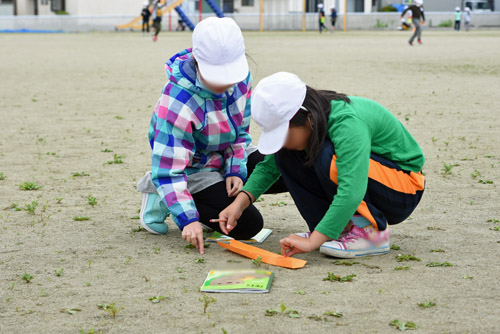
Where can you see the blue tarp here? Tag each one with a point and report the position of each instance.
(31, 31)
(399, 7)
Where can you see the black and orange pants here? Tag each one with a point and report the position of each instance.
(391, 196)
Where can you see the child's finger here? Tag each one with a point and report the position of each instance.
(285, 247)
(292, 251)
(231, 223)
(228, 185)
(222, 226)
(193, 240)
(201, 244)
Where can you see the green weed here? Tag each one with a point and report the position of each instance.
(30, 186)
(30, 208)
(402, 268)
(117, 159)
(92, 200)
(406, 257)
(403, 325)
(110, 308)
(80, 218)
(337, 278)
(79, 174)
(283, 311)
(14, 207)
(27, 278)
(345, 263)
(426, 304)
(333, 314)
(437, 264)
(157, 299)
(257, 262)
(206, 301)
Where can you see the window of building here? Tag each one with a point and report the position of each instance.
(57, 5)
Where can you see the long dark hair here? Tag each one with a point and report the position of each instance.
(318, 105)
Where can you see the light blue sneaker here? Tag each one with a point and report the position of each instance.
(153, 214)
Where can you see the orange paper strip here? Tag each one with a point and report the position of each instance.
(253, 252)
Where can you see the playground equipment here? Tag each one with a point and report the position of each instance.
(136, 24)
(184, 17)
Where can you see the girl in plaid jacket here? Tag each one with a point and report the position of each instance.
(199, 135)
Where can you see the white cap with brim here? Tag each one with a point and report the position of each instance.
(219, 49)
(276, 99)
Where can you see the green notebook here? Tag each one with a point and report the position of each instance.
(238, 281)
(257, 239)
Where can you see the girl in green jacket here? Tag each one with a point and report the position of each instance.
(350, 166)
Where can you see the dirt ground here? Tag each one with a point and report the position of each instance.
(69, 102)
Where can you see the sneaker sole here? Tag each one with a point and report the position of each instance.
(141, 215)
(350, 254)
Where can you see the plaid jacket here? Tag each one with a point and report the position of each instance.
(194, 130)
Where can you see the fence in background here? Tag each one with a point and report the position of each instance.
(286, 21)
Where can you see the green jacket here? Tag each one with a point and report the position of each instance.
(356, 130)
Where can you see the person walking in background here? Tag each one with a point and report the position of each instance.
(322, 18)
(467, 18)
(146, 14)
(418, 19)
(458, 18)
(157, 15)
(333, 14)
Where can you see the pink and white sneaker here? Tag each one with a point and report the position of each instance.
(364, 241)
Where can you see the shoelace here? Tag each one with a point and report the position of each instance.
(353, 235)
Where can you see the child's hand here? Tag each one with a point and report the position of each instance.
(294, 244)
(193, 233)
(228, 218)
(233, 185)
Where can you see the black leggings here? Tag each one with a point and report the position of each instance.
(145, 25)
(214, 199)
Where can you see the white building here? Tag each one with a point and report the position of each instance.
(133, 7)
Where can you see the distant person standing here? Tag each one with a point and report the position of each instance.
(467, 18)
(322, 18)
(180, 25)
(146, 14)
(458, 18)
(418, 19)
(157, 15)
(333, 14)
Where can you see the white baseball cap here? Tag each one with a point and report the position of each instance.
(219, 49)
(419, 2)
(276, 99)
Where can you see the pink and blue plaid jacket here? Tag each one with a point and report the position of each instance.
(194, 130)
